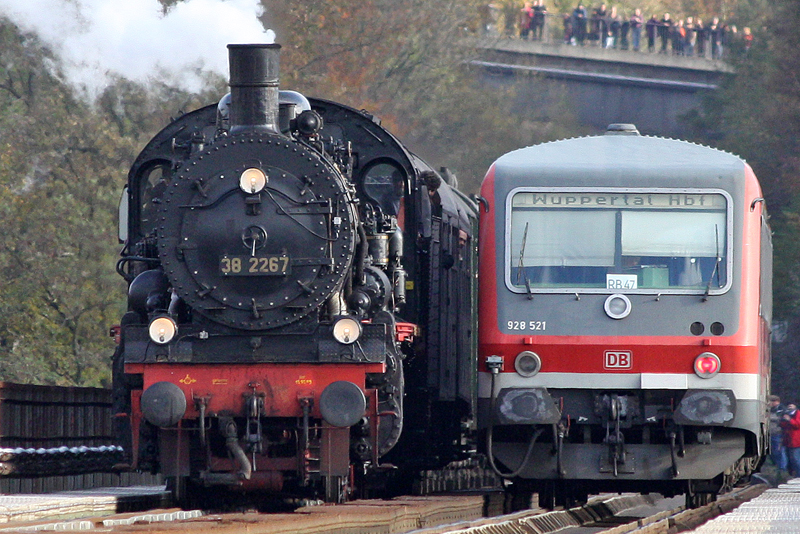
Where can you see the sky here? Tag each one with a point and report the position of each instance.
(134, 39)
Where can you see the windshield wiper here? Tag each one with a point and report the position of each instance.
(715, 270)
(521, 272)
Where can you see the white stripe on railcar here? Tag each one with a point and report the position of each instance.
(745, 386)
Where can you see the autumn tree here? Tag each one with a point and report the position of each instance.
(405, 62)
(61, 170)
(756, 115)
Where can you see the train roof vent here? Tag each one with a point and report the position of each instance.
(622, 129)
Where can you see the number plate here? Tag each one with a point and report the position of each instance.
(274, 264)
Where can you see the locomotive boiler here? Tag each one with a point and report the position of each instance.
(289, 261)
(626, 298)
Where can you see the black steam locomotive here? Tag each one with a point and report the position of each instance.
(300, 302)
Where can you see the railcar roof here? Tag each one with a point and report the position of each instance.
(610, 159)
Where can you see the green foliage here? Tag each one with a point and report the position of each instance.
(757, 116)
(59, 183)
(63, 163)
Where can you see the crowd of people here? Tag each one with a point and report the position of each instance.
(606, 27)
(784, 428)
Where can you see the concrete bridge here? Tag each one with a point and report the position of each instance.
(599, 86)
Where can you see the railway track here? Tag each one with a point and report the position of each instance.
(457, 514)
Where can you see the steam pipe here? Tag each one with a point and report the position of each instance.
(232, 443)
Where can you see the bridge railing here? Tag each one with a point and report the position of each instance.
(558, 29)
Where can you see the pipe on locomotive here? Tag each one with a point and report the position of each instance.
(254, 70)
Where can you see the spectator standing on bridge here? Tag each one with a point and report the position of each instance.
(651, 27)
(777, 452)
(636, 23)
(790, 424)
(691, 37)
(702, 37)
(579, 23)
(613, 28)
(598, 24)
(730, 35)
(715, 35)
(539, 19)
(664, 31)
(747, 38)
(678, 34)
(569, 38)
(624, 30)
(525, 18)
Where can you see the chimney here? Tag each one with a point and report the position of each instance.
(254, 87)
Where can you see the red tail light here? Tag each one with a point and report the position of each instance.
(707, 365)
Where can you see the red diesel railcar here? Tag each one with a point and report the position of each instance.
(625, 296)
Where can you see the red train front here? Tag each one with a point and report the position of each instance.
(262, 348)
(625, 296)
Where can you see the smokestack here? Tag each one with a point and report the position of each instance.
(254, 87)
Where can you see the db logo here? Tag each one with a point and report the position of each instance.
(618, 359)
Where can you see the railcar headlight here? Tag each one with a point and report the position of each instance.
(253, 181)
(527, 363)
(617, 306)
(163, 329)
(346, 330)
(707, 365)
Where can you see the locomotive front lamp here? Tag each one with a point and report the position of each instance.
(163, 329)
(346, 330)
(253, 181)
(707, 365)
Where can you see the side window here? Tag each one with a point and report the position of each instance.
(384, 183)
(152, 182)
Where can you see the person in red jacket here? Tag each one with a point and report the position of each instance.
(791, 437)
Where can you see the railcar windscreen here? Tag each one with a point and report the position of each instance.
(618, 240)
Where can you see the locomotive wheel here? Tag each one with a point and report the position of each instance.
(695, 498)
(335, 489)
(553, 493)
(547, 495)
(180, 488)
(518, 497)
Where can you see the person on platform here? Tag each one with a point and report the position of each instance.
(777, 452)
(790, 424)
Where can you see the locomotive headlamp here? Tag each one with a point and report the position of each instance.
(163, 329)
(617, 306)
(707, 365)
(527, 363)
(253, 181)
(346, 330)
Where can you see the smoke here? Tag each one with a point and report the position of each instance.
(99, 39)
